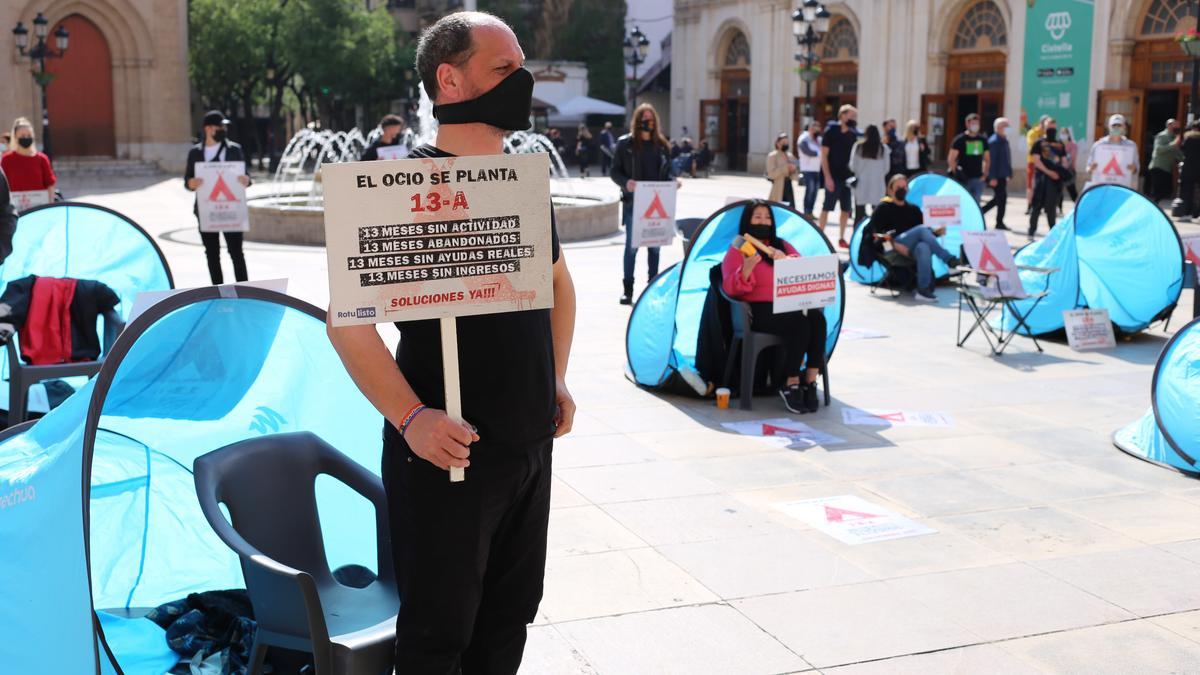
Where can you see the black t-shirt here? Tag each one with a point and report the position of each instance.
(649, 162)
(1053, 154)
(372, 151)
(890, 216)
(970, 154)
(840, 144)
(506, 365)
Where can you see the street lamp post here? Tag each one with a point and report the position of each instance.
(38, 55)
(809, 24)
(636, 47)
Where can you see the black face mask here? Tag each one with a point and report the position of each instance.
(646, 126)
(851, 123)
(219, 135)
(1052, 133)
(507, 106)
(26, 142)
(763, 233)
(901, 193)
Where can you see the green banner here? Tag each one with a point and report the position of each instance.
(1058, 63)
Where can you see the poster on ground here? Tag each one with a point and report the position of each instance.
(805, 282)
(221, 198)
(1089, 329)
(989, 252)
(853, 520)
(1112, 164)
(784, 432)
(24, 200)
(885, 417)
(436, 238)
(1057, 64)
(942, 211)
(653, 213)
(1191, 248)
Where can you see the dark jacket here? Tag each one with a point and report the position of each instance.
(888, 216)
(8, 219)
(1000, 167)
(229, 152)
(625, 166)
(896, 145)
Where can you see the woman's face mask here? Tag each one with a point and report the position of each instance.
(25, 141)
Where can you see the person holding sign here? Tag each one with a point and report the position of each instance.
(747, 274)
(470, 555)
(393, 143)
(1114, 158)
(30, 175)
(216, 147)
(902, 223)
(642, 154)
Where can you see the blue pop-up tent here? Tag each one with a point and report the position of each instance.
(1117, 251)
(98, 513)
(663, 328)
(918, 188)
(1169, 433)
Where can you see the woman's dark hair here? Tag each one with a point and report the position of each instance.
(872, 146)
(744, 224)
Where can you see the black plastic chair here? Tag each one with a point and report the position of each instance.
(268, 485)
(687, 231)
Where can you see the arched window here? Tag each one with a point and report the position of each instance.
(737, 54)
(1166, 17)
(981, 27)
(841, 42)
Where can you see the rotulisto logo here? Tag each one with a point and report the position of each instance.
(1057, 24)
(360, 313)
(18, 497)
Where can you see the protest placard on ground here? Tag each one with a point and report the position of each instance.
(221, 198)
(1112, 164)
(884, 417)
(785, 432)
(653, 213)
(1089, 329)
(23, 200)
(989, 252)
(852, 333)
(853, 520)
(392, 151)
(805, 282)
(942, 211)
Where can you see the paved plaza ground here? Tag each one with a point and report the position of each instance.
(1054, 551)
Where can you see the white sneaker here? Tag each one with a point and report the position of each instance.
(695, 381)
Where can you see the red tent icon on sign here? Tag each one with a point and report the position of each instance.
(834, 514)
(988, 262)
(656, 210)
(221, 191)
(1113, 168)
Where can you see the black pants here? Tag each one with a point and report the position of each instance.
(212, 252)
(999, 200)
(1159, 184)
(789, 197)
(803, 335)
(1046, 196)
(470, 557)
(1188, 178)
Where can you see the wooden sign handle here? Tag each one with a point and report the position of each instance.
(449, 329)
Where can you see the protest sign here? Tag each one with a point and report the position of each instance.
(24, 200)
(805, 282)
(853, 520)
(942, 211)
(392, 151)
(1191, 248)
(147, 299)
(1089, 329)
(785, 432)
(989, 252)
(653, 213)
(895, 418)
(438, 238)
(221, 198)
(852, 333)
(1112, 164)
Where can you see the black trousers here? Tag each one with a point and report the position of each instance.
(999, 200)
(212, 252)
(1159, 183)
(803, 335)
(1046, 196)
(470, 557)
(1188, 178)
(789, 196)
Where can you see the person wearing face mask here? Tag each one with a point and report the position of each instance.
(781, 170)
(470, 556)
(968, 160)
(999, 170)
(1049, 159)
(916, 150)
(808, 152)
(1166, 155)
(1035, 134)
(1116, 138)
(751, 279)
(642, 154)
(897, 220)
(27, 168)
(8, 219)
(869, 161)
(836, 146)
(1189, 174)
(394, 136)
(891, 136)
(216, 147)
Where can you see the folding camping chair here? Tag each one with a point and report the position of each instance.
(895, 266)
(984, 298)
(687, 228)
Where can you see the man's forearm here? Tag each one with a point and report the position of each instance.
(562, 317)
(373, 369)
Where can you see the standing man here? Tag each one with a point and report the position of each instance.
(1032, 136)
(216, 147)
(892, 140)
(1049, 165)
(836, 145)
(1115, 139)
(470, 556)
(999, 170)
(968, 159)
(607, 145)
(394, 136)
(1165, 157)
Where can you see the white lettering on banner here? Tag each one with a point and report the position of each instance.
(653, 214)
(942, 211)
(805, 282)
(221, 197)
(474, 238)
(853, 520)
(17, 497)
(1089, 329)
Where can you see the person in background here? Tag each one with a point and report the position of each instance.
(808, 153)
(1189, 175)
(1068, 139)
(891, 137)
(1032, 136)
(8, 219)
(902, 223)
(870, 162)
(27, 168)
(968, 160)
(583, 149)
(216, 147)
(1117, 130)
(999, 170)
(1163, 160)
(393, 135)
(836, 146)
(5, 138)
(607, 144)
(751, 279)
(916, 150)
(1049, 156)
(704, 157)
(685, 161)
(781, 170)
(642, 154)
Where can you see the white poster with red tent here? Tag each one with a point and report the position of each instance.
(653, 213)
(988, 252)
(221, 197)
(1112, 164)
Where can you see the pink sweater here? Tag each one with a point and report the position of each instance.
(761, 285)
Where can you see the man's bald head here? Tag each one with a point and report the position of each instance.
(452, 40)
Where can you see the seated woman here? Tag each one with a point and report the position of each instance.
(751, 279)
(900, 222)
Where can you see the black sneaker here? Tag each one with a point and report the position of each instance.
(1001, 226)
(810, 398)
(793, 399)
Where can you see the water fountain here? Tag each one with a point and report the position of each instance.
(290, 210)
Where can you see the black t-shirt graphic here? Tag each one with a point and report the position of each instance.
(970, 154)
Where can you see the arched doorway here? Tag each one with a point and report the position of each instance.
(975, 75)
(838, 83)
(725, 122)
(80, 98)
